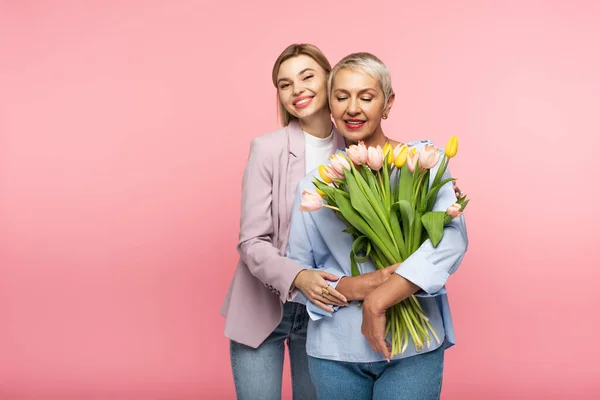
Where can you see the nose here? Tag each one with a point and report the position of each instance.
(298, 90)
(353, 108)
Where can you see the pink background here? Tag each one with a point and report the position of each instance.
(124, 129)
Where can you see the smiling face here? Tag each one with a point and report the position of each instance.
(302, 86)
(358, 105)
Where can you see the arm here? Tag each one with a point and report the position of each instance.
(307, 247)
(255, 245)
(358, 287)
(303, 239)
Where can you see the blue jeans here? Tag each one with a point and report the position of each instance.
(413, 378)
(257, 373)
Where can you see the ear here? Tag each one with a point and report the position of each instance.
(389, 104)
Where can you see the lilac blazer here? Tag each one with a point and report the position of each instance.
(263, 277)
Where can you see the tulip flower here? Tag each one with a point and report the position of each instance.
(454, 210)
(400, 154)
(324, 173)
(412, 158)
(339, 164)
(333, 173)
(358, 153)
(429, 157)
(389, 153)
(311, 201)
(452, 147)
(321, 193)
(375, 158)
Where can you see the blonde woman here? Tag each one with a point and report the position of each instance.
(261, 316)
(348, 355)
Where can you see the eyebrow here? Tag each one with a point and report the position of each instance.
(359, 92)
(299, 73)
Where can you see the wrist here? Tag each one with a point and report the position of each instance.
(373, 304)
(294, 282)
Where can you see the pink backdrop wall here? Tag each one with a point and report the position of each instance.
(124, 129)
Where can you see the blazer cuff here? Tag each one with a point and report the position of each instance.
(285, 290)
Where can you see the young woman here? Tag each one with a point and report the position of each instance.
(348, 355)
(258, 307)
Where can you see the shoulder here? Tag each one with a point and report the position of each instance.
(420, 144)
(269, 143)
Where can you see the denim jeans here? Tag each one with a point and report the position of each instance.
(257, 373)
(413, 378)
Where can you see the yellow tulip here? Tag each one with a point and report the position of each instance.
(389, 153)
(452, 147)
(321, 193)
(324, 175)
(401, 157)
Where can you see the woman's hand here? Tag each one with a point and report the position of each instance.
(457, 192)
(373, 327)
(358, 287)
(313, 284)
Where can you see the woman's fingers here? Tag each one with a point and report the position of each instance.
(330, 290)
(337, 295)
(319, 304)
(328, 276)
(329, 299)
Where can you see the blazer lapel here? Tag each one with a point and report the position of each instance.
(339, 142)
(295, 169)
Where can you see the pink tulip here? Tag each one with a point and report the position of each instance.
(454, 210)
(311, 201)
(429, 157)
(375, 158)
(411, 160)
(339, 164)
(333, 173)
(358, 153)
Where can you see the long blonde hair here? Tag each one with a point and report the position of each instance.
(294, 50)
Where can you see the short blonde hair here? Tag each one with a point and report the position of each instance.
(295, 50)
(368, 64)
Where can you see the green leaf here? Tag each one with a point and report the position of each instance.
(442, 168)
(406, 213)
(432, 195)
(433, 222)
(386, 185)
(356, 220)
(398, 234)
(354, 266)
(351, 230)
(361, 243)
(406, 183)
(365, 203)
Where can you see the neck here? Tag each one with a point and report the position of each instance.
(319, 124)
(376, 139)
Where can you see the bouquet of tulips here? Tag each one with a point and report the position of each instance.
(386, 197)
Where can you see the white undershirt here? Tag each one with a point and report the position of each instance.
(316, 150)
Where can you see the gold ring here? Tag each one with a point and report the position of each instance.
(324, 291)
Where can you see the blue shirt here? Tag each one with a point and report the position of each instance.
(316, 241)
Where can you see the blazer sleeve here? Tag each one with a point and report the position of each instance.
(255, 246)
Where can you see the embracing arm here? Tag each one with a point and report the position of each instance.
(255, 245)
